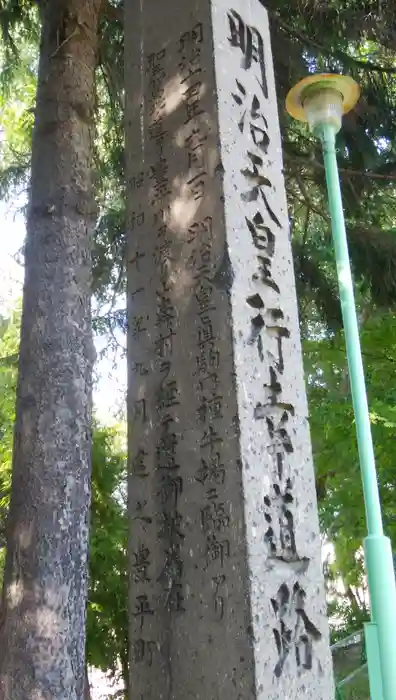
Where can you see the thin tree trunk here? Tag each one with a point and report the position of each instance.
(87, 689)
(125, 676)
(42, 625)
(353, 600)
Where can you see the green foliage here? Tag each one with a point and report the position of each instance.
(107, 623)
(19, 27)
(17, 100)
(9, 344)
(18, 21)
(341, 505)
(349, 38)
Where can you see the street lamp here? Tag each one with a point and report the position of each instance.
(322, 100)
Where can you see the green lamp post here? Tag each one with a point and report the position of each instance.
(321, 100)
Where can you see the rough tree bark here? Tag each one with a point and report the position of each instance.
(42, 623)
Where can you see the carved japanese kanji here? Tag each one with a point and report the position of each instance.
(226, 598)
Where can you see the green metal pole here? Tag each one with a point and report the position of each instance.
(378, 552)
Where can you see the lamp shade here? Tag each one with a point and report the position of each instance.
(322, 98)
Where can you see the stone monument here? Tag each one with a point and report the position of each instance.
(226, 591)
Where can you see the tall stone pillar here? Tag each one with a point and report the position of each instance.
(226, 599)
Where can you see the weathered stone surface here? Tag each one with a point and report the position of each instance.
(227, 600)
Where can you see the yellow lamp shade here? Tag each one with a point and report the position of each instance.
(342, 84)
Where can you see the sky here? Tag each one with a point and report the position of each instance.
(109, 392)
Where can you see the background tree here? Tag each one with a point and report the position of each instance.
(42, 627)
(107, 622)
(333, 433)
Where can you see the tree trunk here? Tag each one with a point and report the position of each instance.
(125, 676)
(42, 624)
(353, 600)
(87, 689)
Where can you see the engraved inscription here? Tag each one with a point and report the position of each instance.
(280, 533)
(249, 40)
(141, 561)
(294, 631)
(219, 583)
(142, 609)
(258, 125)
(215, 483)
(267, 329)
(143, 651)
(215, 515)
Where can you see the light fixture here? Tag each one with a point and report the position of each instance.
(322, 100)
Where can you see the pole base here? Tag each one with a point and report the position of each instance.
(373, 660)
(381, 637)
